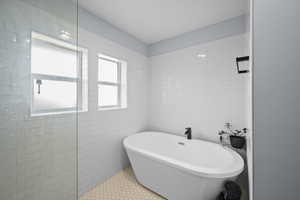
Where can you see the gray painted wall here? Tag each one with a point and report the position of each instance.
(276, 100)
(227, 28)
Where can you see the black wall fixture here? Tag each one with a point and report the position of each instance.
(242, 64)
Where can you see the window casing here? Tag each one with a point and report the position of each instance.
(58, 76)
(111, 83)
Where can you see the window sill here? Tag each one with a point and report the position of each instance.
(111, 108)
(33, 115)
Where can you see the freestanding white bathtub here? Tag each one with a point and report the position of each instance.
(181, 169)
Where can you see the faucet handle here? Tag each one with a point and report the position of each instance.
(188, 129)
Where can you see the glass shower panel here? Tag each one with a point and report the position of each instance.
(38, 152)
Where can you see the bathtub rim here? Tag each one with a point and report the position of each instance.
(191, 170)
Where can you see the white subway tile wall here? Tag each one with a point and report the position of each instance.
(202, 93)
(101, 152)
(38, 154)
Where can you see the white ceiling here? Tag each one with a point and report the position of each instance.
(153, 20)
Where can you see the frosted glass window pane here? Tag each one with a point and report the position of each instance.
(55, 95)
(53, 60)
(108, 71)
(107, 95)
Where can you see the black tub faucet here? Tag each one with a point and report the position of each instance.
(188, 133)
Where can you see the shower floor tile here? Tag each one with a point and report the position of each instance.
(122, 186)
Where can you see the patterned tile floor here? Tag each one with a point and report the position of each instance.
(122, 186)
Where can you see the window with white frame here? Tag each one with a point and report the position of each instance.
(112, 87)
(58, 76)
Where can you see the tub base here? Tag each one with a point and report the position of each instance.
(173, 183)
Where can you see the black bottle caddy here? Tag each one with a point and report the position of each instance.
(237, 142)
(238, 138)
